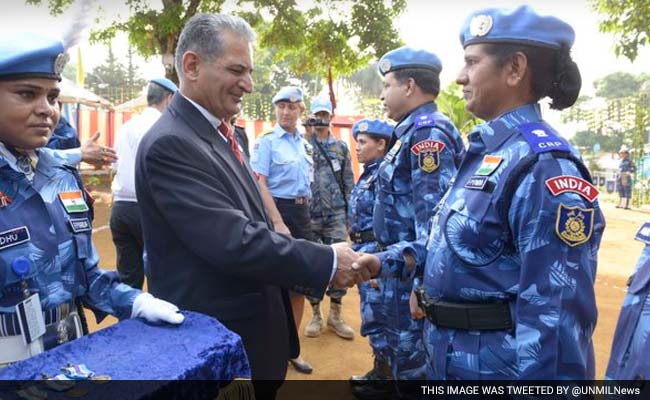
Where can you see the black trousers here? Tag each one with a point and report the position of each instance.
(126, 230)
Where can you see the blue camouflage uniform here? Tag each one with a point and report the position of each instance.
(45, 224)
(64, 136)
(511, 256)
(629, 356)
(412, 178)
(538, 256)
(362, 201)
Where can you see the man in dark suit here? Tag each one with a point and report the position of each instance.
(210, 246)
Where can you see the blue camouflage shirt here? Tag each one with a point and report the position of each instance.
(48, 222)
(629, 356)
(529, 239)
(362, 201)
(412, 178)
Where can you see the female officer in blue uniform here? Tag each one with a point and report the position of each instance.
(372, 137)
(511, 256)
(47, 260)
(629, 356)
(282, 159)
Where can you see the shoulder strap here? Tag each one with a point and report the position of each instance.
(516, 175)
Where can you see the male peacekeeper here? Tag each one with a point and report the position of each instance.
(331, 188)
(47, 259)
(424, 155)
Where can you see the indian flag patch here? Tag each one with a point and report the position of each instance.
(73, 202)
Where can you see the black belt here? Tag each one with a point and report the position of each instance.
(297, 200)
(363, 236)
(465, 316)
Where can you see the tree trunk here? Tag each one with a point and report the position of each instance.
(330, 84)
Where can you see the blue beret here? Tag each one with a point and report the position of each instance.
(292, 94)
(373, 127)
(29, 54)
(407, 57)
(166, 83)
(521, 25)
(321, 104)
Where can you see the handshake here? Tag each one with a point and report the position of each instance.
(353, 268)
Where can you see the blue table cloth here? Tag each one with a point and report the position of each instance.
(199, 349)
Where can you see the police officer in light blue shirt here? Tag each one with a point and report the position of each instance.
(46, 252)
(283, 162)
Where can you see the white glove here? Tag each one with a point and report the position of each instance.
(155, 310)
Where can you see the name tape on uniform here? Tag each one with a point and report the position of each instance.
(14, 237)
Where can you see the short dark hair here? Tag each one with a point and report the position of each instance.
(553, 72)
(426, 79)
(156, 94)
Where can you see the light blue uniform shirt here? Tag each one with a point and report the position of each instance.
(286, 161)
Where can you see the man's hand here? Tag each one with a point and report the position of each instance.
(345, 276)
(93, 153)
(416, 311)
(280, 227)
(367, 265)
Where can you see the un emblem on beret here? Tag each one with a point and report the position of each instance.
(293, 99)
(363, 127)
(480, 25)
(60, 62)
(384, 65)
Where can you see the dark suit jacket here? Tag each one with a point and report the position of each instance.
(209, 246)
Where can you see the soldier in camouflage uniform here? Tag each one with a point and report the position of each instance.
(333, 182)
(412, 178)
(372, 137)
(46, 252)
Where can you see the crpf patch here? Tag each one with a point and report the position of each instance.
(574, 225)
(428, 152)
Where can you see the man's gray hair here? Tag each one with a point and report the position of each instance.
(202, 35)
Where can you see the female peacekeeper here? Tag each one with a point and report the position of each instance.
(629, 356)
(282, 159)
(372, 138)
(511, 256)
(47, 260)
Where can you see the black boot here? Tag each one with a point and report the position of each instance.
(380, 371)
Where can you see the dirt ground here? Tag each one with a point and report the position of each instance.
(335, 358)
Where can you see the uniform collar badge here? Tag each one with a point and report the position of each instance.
(574, 225)
(489, 165)
(480, 25)
(5, 200)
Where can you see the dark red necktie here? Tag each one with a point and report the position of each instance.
(227, 131)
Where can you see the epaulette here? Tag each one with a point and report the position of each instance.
(643, 235)
(425, 120)
(542, 138)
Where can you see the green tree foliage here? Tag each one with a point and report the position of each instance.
(114, 81)
(451, 103)
(619, 84)
(329, 38)
(627, 20)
